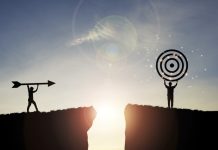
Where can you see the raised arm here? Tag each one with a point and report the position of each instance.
(28, 88)
(165, 83)
(175, 84)
(36, 88)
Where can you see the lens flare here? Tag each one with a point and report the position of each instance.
(120, 42)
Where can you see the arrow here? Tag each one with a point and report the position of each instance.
(17, 84)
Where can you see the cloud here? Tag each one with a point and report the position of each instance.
(99, 32)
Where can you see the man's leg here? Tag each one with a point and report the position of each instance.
(172, 102)
(34, 103)
(168, 98)
(28, 107)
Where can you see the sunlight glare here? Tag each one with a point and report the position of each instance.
(108, 126)
(106, 112)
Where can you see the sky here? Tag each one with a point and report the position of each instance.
(102, 53)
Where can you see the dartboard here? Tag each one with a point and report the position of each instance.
(172, 65)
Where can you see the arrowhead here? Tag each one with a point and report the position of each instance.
(16, 84)
(50, 83)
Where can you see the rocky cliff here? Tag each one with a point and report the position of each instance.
(57, 130)
(155, 128)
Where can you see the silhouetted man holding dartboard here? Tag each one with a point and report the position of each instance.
(170, 93)
(171, 66)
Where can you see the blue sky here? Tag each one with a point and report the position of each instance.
(104, 51)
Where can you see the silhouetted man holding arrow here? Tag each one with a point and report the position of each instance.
(170, 93)
(30, 99)
(31, 91)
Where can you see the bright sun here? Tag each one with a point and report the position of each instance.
(108, 126)
(107, 131)
(106, 112)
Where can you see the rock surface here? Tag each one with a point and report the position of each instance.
(155, 128)
(56, 130)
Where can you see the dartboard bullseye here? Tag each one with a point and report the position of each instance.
(172, 65)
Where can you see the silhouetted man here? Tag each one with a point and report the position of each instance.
(170, 91)
(30, 99)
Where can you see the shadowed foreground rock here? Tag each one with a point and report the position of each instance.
(57, 130)
(153, 128)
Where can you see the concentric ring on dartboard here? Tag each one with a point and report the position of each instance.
(178, 62)
(177, 68)
(168, 74)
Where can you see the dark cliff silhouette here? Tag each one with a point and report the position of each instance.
(155, 128)
(56, 130)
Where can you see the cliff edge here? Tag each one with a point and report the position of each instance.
(56, 130)
(155, 128)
